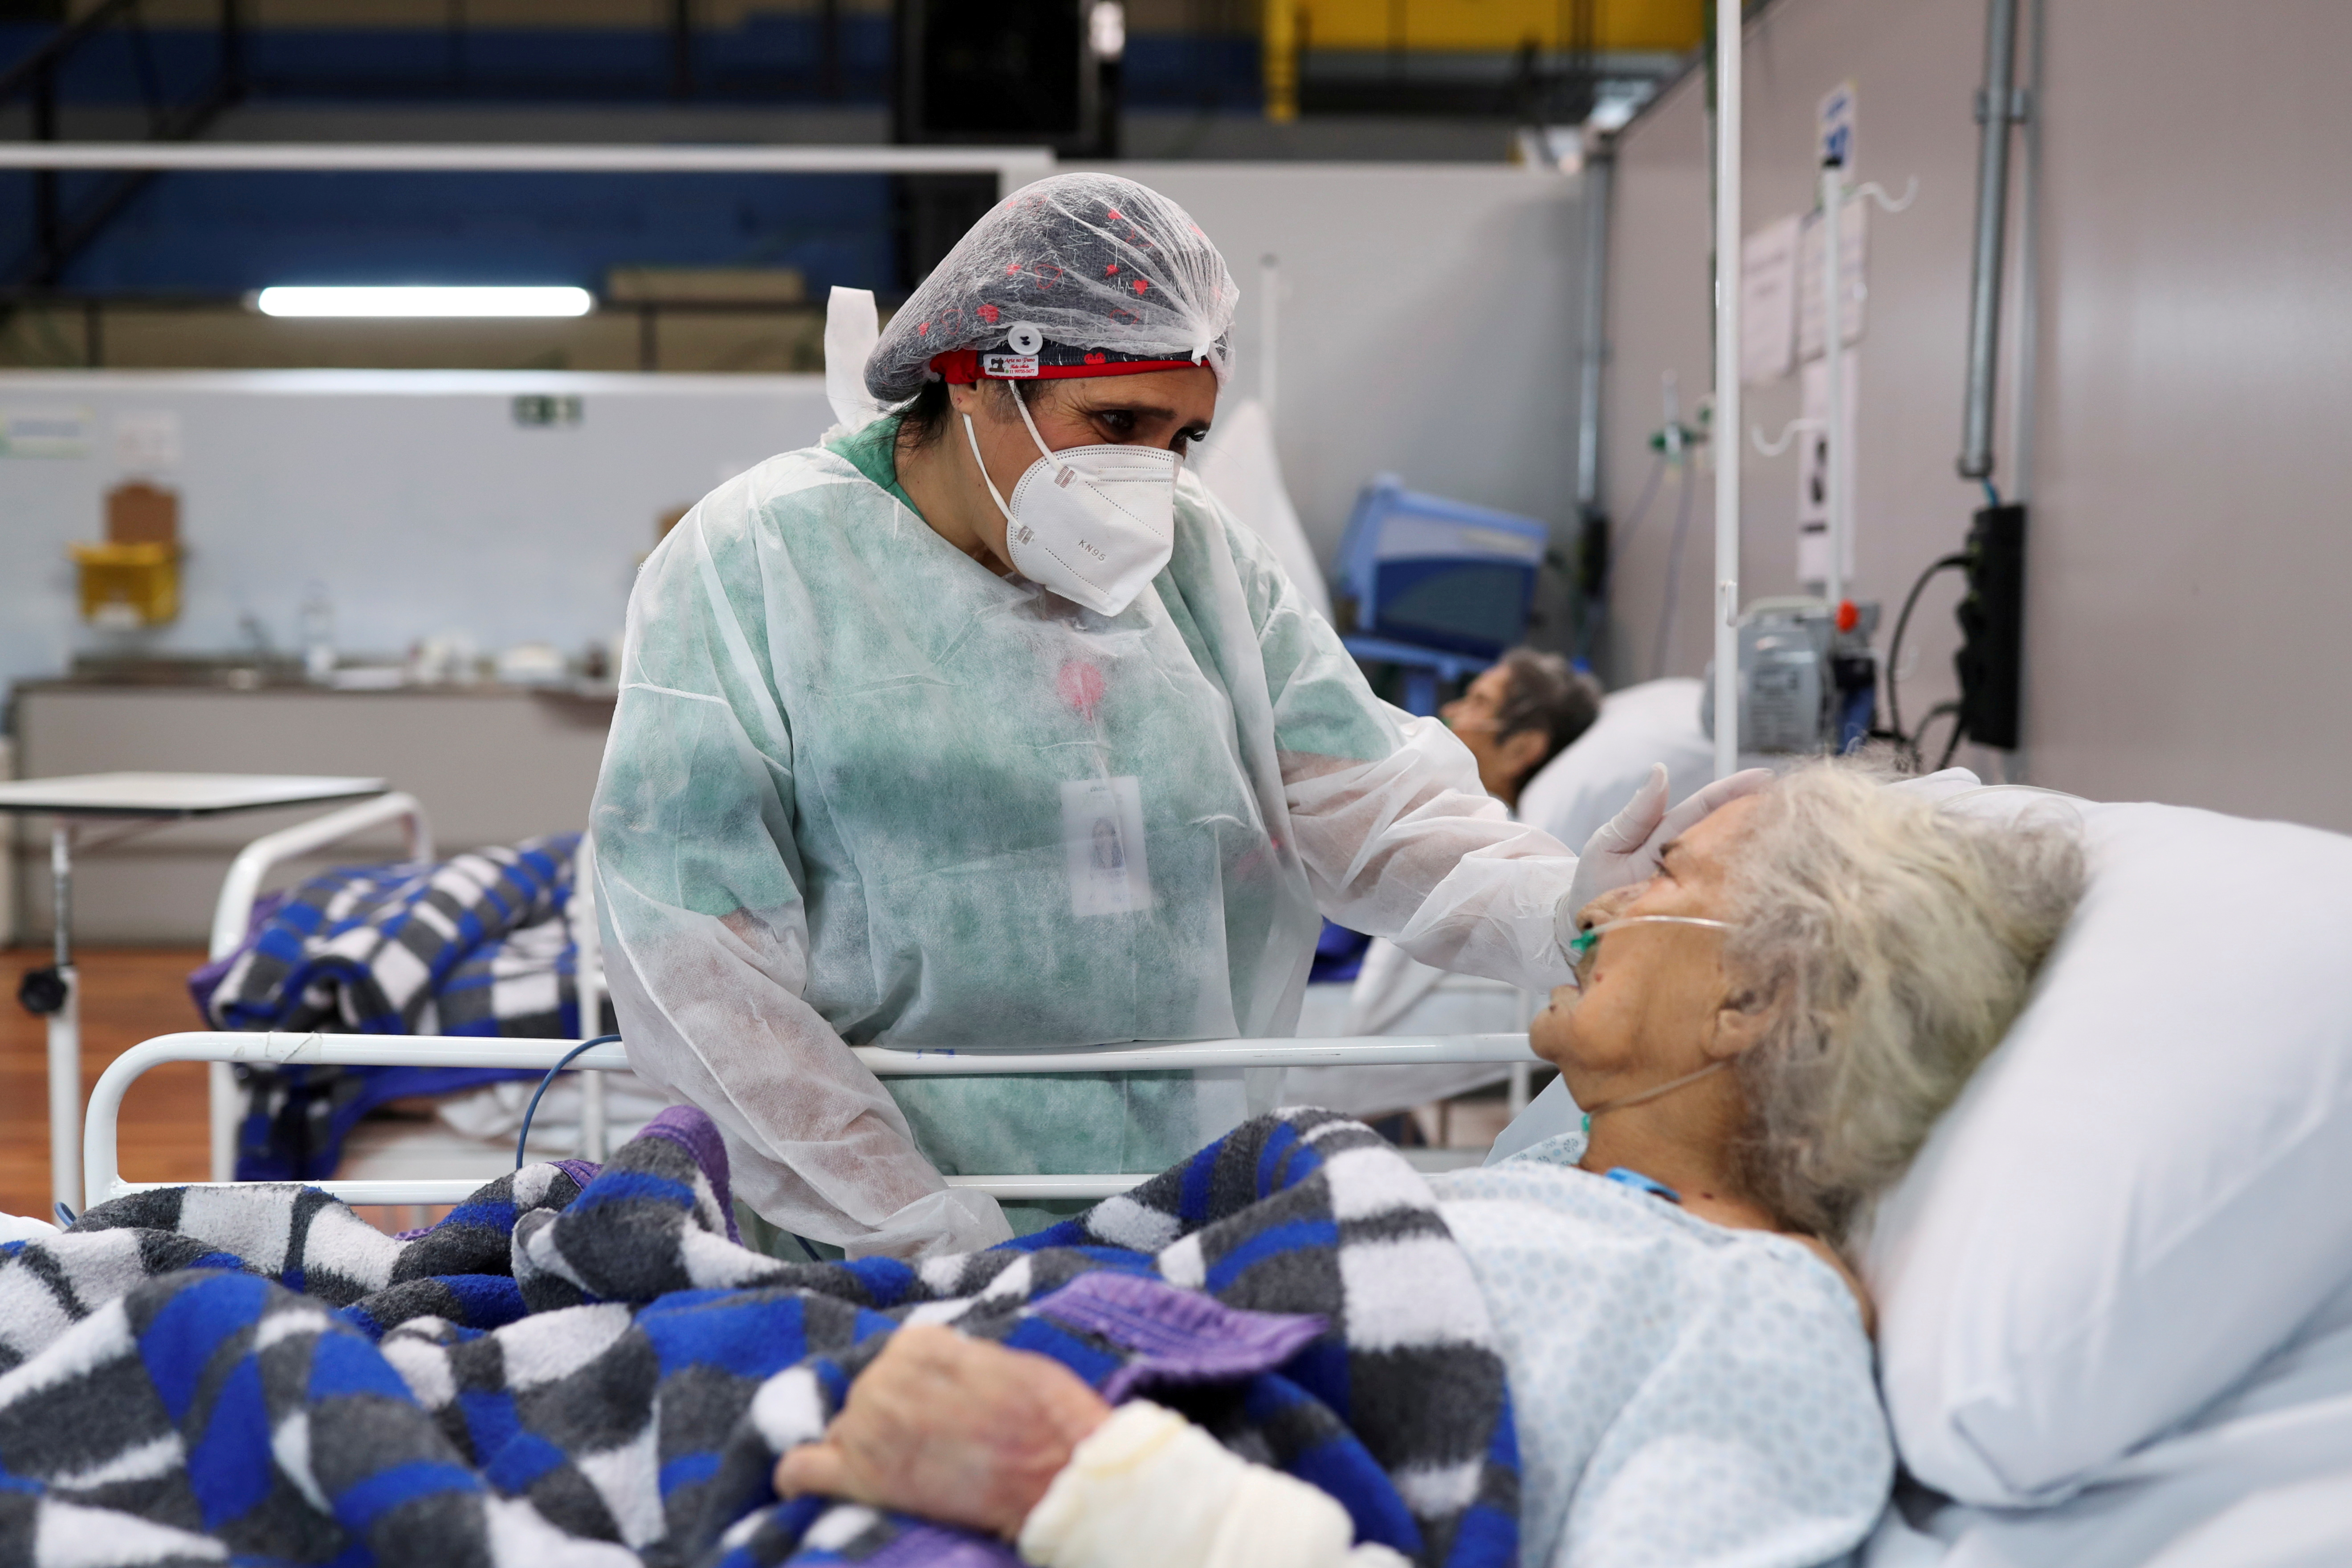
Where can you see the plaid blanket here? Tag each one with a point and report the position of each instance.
(474, 945)
(478, 944)
(584, 1366)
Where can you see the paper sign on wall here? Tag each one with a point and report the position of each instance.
(1853, 243)
(1767, 301)
(147, 443)
(44, 432)
(1813, 470)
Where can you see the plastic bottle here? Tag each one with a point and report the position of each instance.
(318, 634)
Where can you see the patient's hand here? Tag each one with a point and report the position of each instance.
(956, 1429)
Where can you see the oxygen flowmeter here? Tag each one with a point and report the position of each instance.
(1808, 680)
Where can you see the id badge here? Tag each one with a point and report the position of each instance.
(1102, 832)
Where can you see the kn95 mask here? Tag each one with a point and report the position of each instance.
(1092, 523)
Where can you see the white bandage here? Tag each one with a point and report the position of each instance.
(1149, 1489)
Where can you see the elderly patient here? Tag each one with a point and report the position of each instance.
(1765, 1033)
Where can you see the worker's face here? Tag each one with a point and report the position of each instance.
(1504, 762)
(1657, 1000)
(1169, 408)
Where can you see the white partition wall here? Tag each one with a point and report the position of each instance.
(2187, 542)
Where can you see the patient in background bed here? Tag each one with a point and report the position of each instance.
(1519, 714)
(1689, 1355)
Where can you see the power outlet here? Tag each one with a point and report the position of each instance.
(1992, 659)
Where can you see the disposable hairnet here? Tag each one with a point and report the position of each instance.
(1093, 262)
(861, 791)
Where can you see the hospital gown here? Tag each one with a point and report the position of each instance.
(860, 790)
(1686, 1394)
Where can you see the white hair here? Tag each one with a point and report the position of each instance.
(1890, 944)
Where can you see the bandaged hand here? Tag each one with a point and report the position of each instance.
(961, 1430)
(1149, 1489)
(967, 1432)
(1625, 849)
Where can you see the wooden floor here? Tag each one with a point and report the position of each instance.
(128, 995)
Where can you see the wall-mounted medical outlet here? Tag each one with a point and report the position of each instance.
(1991, 658)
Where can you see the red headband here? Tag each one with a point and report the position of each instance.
(961, 367)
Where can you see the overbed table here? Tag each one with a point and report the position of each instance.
(132, 803)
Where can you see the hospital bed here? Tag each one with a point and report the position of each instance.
(2114, 1289)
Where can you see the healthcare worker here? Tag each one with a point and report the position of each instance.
(984, 726)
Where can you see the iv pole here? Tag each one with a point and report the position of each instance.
(1727, 71)
(1833, 368)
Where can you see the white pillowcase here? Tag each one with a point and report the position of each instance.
(2148, 1188)
(1573, 795)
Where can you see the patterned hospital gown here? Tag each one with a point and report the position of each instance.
(1686, 1395)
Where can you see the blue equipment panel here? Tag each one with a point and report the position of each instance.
(1438, 573)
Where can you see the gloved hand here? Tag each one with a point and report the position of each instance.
(1625, 849)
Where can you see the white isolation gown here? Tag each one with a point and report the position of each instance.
(860, 789)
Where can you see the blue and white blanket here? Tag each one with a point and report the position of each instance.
(477, 944)
(584, 1366)
(474, 945)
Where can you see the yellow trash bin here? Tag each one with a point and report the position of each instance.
(129, 584)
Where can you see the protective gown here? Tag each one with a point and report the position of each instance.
(859, 790)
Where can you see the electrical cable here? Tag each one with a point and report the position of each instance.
(531, 1110)
(1951, 742)
(523, 1136)
(1895, 647)
(1674, 576)
(1911, 742)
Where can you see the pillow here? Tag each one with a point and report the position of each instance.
(1596, 774)
(2148, 1187)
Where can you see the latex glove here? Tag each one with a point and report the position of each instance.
(1625, 848)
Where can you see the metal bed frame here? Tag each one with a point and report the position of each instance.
(102, 1171)
(1257, 1059)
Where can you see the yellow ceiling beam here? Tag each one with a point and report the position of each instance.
(1627, 25)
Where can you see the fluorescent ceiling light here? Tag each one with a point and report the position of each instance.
(425, 300)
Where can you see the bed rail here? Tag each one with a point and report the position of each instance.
(233, 914)
(102, 1169)
(588, 993)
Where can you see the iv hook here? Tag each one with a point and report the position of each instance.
(1878, 192)
(1788, 433)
